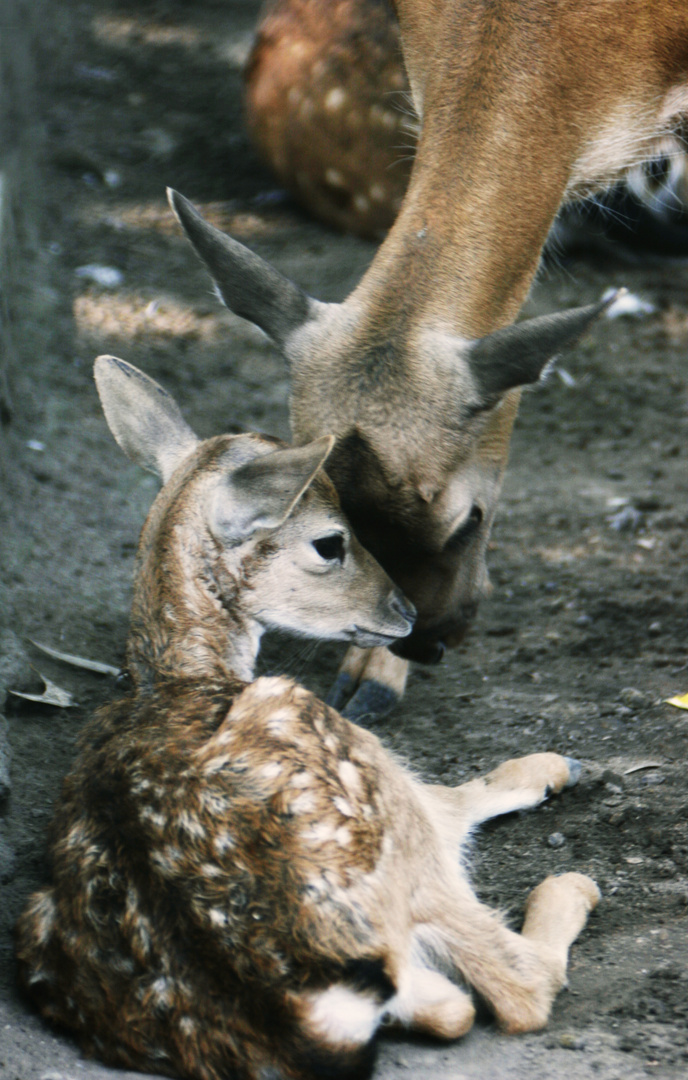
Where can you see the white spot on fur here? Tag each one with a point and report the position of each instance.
(167, 860)
(265, 688)
(186, 1025)
(216, 764)
(147, 813)
(276, 721)
(362, 204)
(301, 780)
(335, 178)
(349, 776)
(43, 911)
(223, 842)
(334, 99)
(271, 770)
(341, 1016)
(214, 804)
(217, 916)
(40, 977)
(343, 806)
(343, 835)
(320, 833)
(211, 870)
(162, 990)
(76, 835)
(303, 803)
(190, 825)
(316, 888)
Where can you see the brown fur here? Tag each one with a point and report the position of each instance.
(244, 883)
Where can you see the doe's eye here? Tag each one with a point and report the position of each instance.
(466, 530)
(330, 547)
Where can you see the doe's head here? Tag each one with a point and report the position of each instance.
(421, 417)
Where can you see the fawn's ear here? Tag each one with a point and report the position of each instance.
(144, 419)
(262, 493)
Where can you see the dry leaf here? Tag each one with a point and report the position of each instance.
(643, 765)
(681, 702)
(77, 661)
(52, 695)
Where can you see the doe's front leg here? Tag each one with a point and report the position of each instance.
(369, 684)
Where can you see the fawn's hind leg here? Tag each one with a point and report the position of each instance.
(427, 1001)
(556, 912)
(519, 975)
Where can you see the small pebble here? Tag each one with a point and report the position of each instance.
(556, 840)
(626, 520)
(571, 1041)
(107, 276)
(633, 698)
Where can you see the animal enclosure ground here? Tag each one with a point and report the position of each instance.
(587, 629)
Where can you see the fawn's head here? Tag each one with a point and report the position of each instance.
(246, 535)
(421, 418)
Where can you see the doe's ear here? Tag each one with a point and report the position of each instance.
(248, 285)
(144, 419)
(262, 493)
(518, 354)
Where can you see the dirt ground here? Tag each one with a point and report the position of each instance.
(586, 632)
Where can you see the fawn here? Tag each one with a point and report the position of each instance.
(246, 884)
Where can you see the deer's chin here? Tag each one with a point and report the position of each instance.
(428, 646)
(370, 639)
(422, 652)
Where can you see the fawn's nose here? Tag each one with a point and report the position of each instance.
(403, 607)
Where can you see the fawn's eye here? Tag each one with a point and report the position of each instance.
(466, 530)
(330, 547)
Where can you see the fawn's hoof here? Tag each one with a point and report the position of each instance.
(575, 770)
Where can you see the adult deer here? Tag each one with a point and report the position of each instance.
(422, 419)
(524, 104)
(246, 884)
